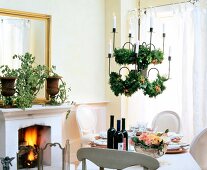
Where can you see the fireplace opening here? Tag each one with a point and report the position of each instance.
(30, 140)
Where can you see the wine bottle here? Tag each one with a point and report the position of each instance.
(118, 138)
(110, 133)
(125, 134)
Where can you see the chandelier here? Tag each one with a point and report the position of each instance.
(136, 58)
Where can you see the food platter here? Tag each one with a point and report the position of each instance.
(100, 143)
(175, 151)
(174, 148)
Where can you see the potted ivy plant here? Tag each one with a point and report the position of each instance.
(7, 85)
(31, 78)
(55, 87)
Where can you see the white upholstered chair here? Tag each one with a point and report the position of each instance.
(114, 159)
(167, 120)
(198, 149)
(87, 121)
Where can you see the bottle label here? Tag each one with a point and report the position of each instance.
(120, 146)
(124, 144)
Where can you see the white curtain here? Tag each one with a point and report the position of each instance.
(186, 91)
(14, 39)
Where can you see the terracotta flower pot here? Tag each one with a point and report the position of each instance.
(52, 85)
(7, 84)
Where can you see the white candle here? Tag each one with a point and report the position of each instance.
(170, 48)
(110, 47)
(151, 22)
(130, 26)
(163, 28)
(114, 21)
(137, 47)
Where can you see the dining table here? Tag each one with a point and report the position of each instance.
(177, 156)
(181, 161)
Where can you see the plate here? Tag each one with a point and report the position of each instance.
(173, 147)
(100, 142)
(175, 151)
(103, 135)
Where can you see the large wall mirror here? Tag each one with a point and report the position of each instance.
(23, 32)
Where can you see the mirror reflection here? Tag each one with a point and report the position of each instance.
(23, 32)
(19, 36)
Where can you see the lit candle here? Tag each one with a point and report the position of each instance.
(163, 28)
(170, 48)
(137, 47)
(114, 21)
(151, 22)
(110, 47)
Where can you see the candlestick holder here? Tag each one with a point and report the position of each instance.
(137, 77)
(151, 31)
(163, 42)
(169, 60)
(114, 37)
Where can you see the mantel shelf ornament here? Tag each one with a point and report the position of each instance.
(141, 56)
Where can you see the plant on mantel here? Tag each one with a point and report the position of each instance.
(60, 97)
(7, 85)
(30, 79)
(56, 90)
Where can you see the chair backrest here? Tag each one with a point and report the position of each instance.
(114, 159)
(198, 149)
(166, 120)
(86, 119)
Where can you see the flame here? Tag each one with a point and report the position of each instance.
(31, 140)
(31, 156)
(31, 136)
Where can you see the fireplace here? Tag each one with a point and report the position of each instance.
(30, 140)
(51, 125)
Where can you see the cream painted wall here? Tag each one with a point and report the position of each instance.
(78, 42)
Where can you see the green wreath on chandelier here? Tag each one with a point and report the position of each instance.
(145, 57)
(135, 80)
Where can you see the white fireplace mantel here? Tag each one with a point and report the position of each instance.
(11, 120)
(34, 112)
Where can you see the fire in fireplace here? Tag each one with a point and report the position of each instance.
(31, 139)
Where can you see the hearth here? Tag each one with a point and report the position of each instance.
(30, 140)
(50, 124)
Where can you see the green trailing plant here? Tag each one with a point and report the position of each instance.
(30, 80)
(7, 72)
(61, 97)
(72, 104)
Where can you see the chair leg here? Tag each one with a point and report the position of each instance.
(84, 164)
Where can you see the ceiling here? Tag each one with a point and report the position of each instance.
(154, 3)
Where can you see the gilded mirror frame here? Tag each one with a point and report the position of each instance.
(35, 16)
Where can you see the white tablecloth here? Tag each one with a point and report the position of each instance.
(183, 161)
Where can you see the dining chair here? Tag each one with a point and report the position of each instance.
(114, 159)
(198, 149)
(166, 120)
(87, 121)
